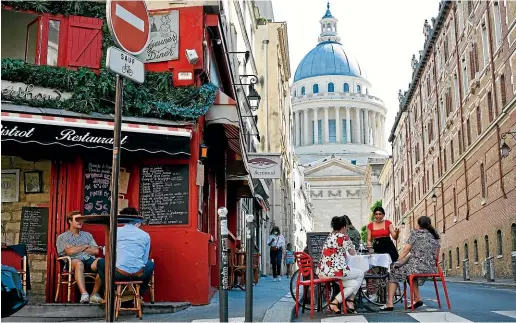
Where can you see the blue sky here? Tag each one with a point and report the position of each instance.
(382, 35)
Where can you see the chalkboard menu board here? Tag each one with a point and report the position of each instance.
(164, 194)
(34, 229)
(97, 196)
(315, 242)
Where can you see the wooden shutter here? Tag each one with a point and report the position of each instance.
(84, 42)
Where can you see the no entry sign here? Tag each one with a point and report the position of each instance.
(128, 23)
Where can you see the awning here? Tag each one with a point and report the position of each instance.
(224, 111)
(49, 130)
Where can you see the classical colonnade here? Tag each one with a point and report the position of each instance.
(363, 126)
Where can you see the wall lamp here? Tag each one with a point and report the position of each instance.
(504, 148)
(253, 97)
(434, 196)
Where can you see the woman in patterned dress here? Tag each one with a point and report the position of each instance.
(333, 264)
(422, 245)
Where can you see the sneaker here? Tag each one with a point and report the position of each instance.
(85, 298)
(95, 298)
(275, 279)
(279, 279)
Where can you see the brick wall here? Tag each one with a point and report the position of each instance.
(11, 219)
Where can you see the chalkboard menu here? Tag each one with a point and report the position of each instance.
(97, 196)
(34, 229)
(164, 194)
(315, 242)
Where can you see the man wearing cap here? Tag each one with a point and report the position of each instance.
(132, 254)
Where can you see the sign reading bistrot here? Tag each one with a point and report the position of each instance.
(164, 37)
(264, 165)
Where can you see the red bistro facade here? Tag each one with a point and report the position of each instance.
(184, 249)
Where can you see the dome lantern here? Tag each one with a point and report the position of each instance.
(328, 27)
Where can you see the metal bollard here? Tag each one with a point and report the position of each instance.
(223, 265)
(489, 265)
(514, 265)
(249, 268)
(465, 269)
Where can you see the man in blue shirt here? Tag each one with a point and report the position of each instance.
(132, 256)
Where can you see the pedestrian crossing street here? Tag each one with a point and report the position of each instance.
(429, 315)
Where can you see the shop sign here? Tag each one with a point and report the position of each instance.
(17, 90)
(164, 39)
(264, 166)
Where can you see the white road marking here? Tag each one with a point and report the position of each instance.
(511, 314)
(231, 319)
(345, 319)
(437, 317)
(128, 16)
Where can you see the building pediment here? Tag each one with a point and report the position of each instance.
(334, 168)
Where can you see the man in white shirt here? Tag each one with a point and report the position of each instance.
(276, 242)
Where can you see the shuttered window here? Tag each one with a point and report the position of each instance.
(84, 48)
(503, 94)
(479, 121)
(490, 107)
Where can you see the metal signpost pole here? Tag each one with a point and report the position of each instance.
(110, 281)
(249, 268)
(223, 265)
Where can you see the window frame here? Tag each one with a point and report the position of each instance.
(499, 242)
(41, 54)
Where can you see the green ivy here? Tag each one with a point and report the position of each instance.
(92, 93)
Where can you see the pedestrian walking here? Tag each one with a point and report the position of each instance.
(289, 259)
(276, 242)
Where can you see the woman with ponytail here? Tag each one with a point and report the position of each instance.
(417, 257)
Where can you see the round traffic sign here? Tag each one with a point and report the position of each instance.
(128, 23)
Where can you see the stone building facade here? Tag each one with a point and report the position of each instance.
(447, 136)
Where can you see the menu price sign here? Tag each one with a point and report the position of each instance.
(164, 194)
(34, 229)
(97, 195)
(315, 242)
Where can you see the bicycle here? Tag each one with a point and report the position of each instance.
(127, 69)
(373, 289)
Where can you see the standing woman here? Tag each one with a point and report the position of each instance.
(381, 231)
(276, 242)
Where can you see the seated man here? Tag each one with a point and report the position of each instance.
(132, 254)
(82, 249)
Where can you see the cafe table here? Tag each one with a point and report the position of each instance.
(366, 262)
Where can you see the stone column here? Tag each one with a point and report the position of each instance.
(297, 128)
(383, 132)
(348, 126)
(326, 128)
(338, 132)
(316, 127)
(358, 137)
(374, 127)
(305, 127)
(366, 126)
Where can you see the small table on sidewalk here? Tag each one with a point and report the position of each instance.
(366, 262)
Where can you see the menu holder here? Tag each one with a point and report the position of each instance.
(34, 229)
(315, 243)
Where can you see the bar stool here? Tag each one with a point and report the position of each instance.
(134, 287)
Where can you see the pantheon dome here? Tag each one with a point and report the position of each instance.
(334, 110)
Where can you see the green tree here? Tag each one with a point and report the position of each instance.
(363, 230)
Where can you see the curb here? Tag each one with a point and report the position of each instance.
(281, 311)
(508, 285)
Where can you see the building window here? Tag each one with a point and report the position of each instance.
(479, 121)
(454, 204)
(445, 49)
(460, 143)
(473, 60)
(344, 131)
(445, 160)
(497, 24)
(466, 251)
(486, 239)
(468, 129)
(449, 260)
(332, 131)
(499, 242)
(313, 132)
(483, 180)
(485, 44)
(402, 175)
(295, 93)
(458, 256)
(465, 80)
(353, 162)
(452, 154)
(53, 42)
(502, 90)
(457, 91)
(320, 135)
(359, 89)
(331, 87)
(303, 91)
(315, 89)
(346, 87)
(513, 230)
(430, 131)
(490, 107)
(470, 7)
(475, 250)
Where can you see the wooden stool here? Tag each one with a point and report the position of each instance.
(134, 287)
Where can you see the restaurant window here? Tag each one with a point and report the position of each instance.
(458, 257)
(475, 250)
(499, 242)
(450, 264)
(486, 240)
(483, 180)
(490, 107)
(466, 251)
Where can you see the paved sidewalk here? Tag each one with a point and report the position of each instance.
(478, 281)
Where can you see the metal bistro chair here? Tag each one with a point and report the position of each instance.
(133, 287)
(305, 264)
(66, 275)
(434, 277)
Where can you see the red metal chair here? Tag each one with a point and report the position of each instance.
(433, 276)
(305, 264)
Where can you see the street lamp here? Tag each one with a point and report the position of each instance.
(434, 196)
(253, 97)
(504, 148)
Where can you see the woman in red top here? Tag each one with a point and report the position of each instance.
(379, 235)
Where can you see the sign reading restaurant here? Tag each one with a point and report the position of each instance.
(264, 165)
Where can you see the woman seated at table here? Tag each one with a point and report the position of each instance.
(422, 245)
(381, 231)
(333, 264)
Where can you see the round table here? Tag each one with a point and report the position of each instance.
(365, 262)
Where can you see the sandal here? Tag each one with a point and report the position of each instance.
(338, 309)
(384, 308)
(418, 304)
(350, 310)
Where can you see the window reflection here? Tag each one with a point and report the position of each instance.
(32, 39)
(53, 42)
